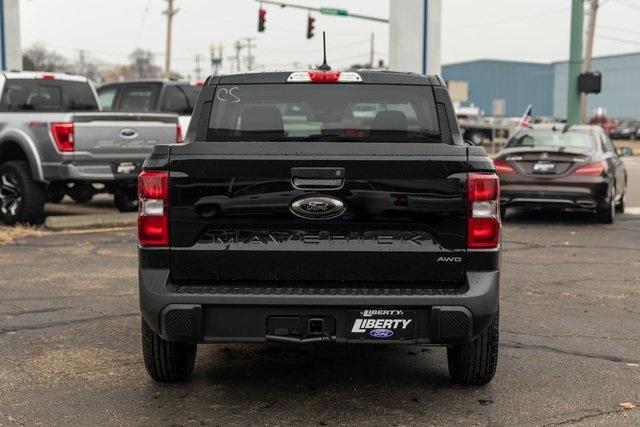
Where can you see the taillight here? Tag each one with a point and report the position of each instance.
(178, 134)
(503, 168)
(63, 136)
(153, 208)
(592, 169)
(483, 224)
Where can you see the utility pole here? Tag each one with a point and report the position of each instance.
(170, 13)
(575, 61)
(372, 50)
(250, 43)
(198, 69)
(238, 47)
(588, 54)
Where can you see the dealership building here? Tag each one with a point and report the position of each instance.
(545, 85)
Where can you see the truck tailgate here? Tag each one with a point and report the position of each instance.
(233, 215)
(121, 136)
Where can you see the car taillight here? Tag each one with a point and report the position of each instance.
(63, 136)
(153, 208)
(483, 223)
(503, 168)
(178, 134)
(592, 169)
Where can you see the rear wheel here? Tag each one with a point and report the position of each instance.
(56, 191)
(81, 192)
(167, 361)
(126, 199)
(21, 198)
(475, 363)
(623, 203)
(607, 213)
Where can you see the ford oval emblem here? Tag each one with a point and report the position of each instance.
(128, 133)
(318, 207)
(381, 333)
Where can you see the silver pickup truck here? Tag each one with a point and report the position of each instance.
(54, 141)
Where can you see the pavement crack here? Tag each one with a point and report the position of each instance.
(37, 311)
(600, 337)
(606, 357)
(586, 417)
(6, 330)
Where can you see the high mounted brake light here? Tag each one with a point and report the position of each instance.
(483, 222)
(153, 208)
(319, 76)
(48, 77)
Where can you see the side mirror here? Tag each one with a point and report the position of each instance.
(624, 152)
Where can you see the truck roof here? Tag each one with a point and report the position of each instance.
(43, 75)
(155, 81)
(368, 76)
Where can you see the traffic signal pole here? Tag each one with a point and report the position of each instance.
(575, 61)
(325, 11)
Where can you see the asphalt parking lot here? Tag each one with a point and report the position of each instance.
(570, 343)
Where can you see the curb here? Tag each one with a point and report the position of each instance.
(66, 222)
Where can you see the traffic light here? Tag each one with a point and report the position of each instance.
(262, 17)
(310, 26)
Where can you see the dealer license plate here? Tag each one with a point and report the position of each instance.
(382, 325)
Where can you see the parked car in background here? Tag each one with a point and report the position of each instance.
(561, 166)
(627, 129)
(55, 141)
(151, 96)
(605, 122)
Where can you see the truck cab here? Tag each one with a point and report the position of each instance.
(151, 96)
(320, 206)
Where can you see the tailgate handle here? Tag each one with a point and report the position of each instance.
(317, 178)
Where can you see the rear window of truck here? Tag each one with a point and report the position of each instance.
(324, 112)
(47, 95)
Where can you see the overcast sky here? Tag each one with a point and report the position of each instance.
(504, 29)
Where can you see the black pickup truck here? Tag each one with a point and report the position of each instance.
(320, 206)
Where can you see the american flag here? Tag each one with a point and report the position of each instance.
(525, 120)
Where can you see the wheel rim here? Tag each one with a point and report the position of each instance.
(10, 196)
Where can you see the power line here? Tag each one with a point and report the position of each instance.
(617, 39)
(510, 20)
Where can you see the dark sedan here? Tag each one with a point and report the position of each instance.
(559, 166)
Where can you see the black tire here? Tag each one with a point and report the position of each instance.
(21, 198)
(607, 214)
(126, 199)
(81, 192)
(56, 192)
(167, 361)
(620, 207)
(503, 212)
(475, 363)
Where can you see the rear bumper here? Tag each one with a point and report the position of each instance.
(90, 172)
(442, 316)
(589, 195)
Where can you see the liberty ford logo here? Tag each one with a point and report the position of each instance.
(381, 333)
(318, 207)
(128, 133)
